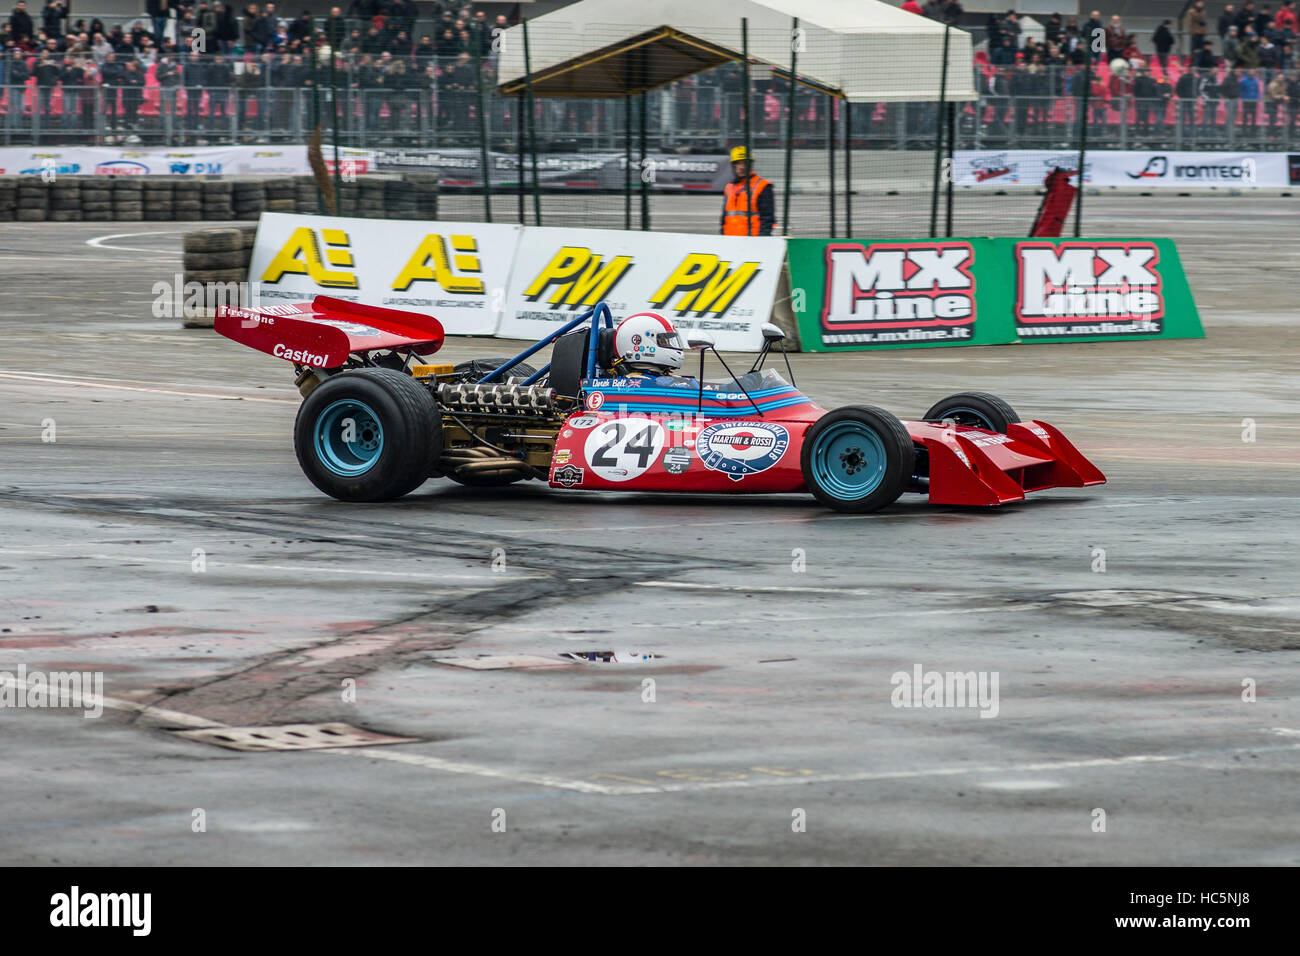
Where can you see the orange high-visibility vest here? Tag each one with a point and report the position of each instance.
(739, 219)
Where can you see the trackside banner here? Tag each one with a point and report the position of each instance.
(662, 172)
(872, 294)
(869, 293)
(455, 271)
(146, 161)
(1144, 169)
(722, 284)
(1099, 289)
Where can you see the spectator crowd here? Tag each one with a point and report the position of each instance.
(1246, 81)
(215, 66)
(246, 65)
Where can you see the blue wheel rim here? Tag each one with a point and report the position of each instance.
(848, 460)
(348, 438)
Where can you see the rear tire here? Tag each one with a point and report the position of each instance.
(977, 409)
(857, 459)
(368, 435)
(475, 369)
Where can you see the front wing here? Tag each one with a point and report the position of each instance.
(971, 466)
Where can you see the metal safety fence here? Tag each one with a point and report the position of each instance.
(882, 168)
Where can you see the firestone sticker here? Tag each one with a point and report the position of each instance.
(738, 449)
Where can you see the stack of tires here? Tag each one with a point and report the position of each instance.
(218, 199)
(158, 198)
(304, 195)
(65, 199)
(349, 199)
(215, 255)
(400, 200)
(128, 198)
(281, 194)
(97, 199)
(424, 187)
(33, 200)
(248, 198)
(371, 198)
(187, 200)
(163, 198)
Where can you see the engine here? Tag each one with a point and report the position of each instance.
(510, 400)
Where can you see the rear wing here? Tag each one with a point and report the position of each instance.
(322, 333)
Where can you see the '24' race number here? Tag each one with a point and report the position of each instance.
(621, 450)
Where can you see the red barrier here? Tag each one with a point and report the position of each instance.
(1056, 204)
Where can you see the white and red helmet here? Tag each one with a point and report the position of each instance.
(647, 341)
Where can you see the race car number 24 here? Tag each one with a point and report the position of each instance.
(623, 449)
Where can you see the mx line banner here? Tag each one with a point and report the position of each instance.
(873, 294)
(1099, 289)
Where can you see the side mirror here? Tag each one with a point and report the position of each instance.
(699, 340)
(772, 333)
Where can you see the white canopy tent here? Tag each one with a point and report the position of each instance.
(860, 50)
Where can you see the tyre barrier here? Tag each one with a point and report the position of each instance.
(217, 260)
(67, 198)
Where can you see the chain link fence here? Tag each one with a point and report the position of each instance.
(882, 169)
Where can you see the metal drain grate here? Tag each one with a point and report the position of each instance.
(611, 657)
(291, 737)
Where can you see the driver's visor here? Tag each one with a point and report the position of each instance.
(668, 340)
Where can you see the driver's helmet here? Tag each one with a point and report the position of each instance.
(648, 342)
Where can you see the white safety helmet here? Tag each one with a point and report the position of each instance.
(647, 341)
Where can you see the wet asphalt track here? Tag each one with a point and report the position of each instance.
(1119, 690)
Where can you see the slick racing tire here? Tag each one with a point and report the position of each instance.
(368, 435)
(475, 369)
(857, 459)
(977, 409)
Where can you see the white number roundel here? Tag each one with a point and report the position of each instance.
(622, 449)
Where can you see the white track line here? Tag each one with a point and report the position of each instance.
(176, 718)
(121, 259)
(516, 776)
(868, 776)
(160, 714)
(125, 559)
(98, 242)
(82, 383)
(441, 765)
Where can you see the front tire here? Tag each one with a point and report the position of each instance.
(368, 435)
(977, 409)
(857, 459)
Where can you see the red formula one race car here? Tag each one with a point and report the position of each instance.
(377, 420)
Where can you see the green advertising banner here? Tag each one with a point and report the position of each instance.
(1099, 290)
(875, 294)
